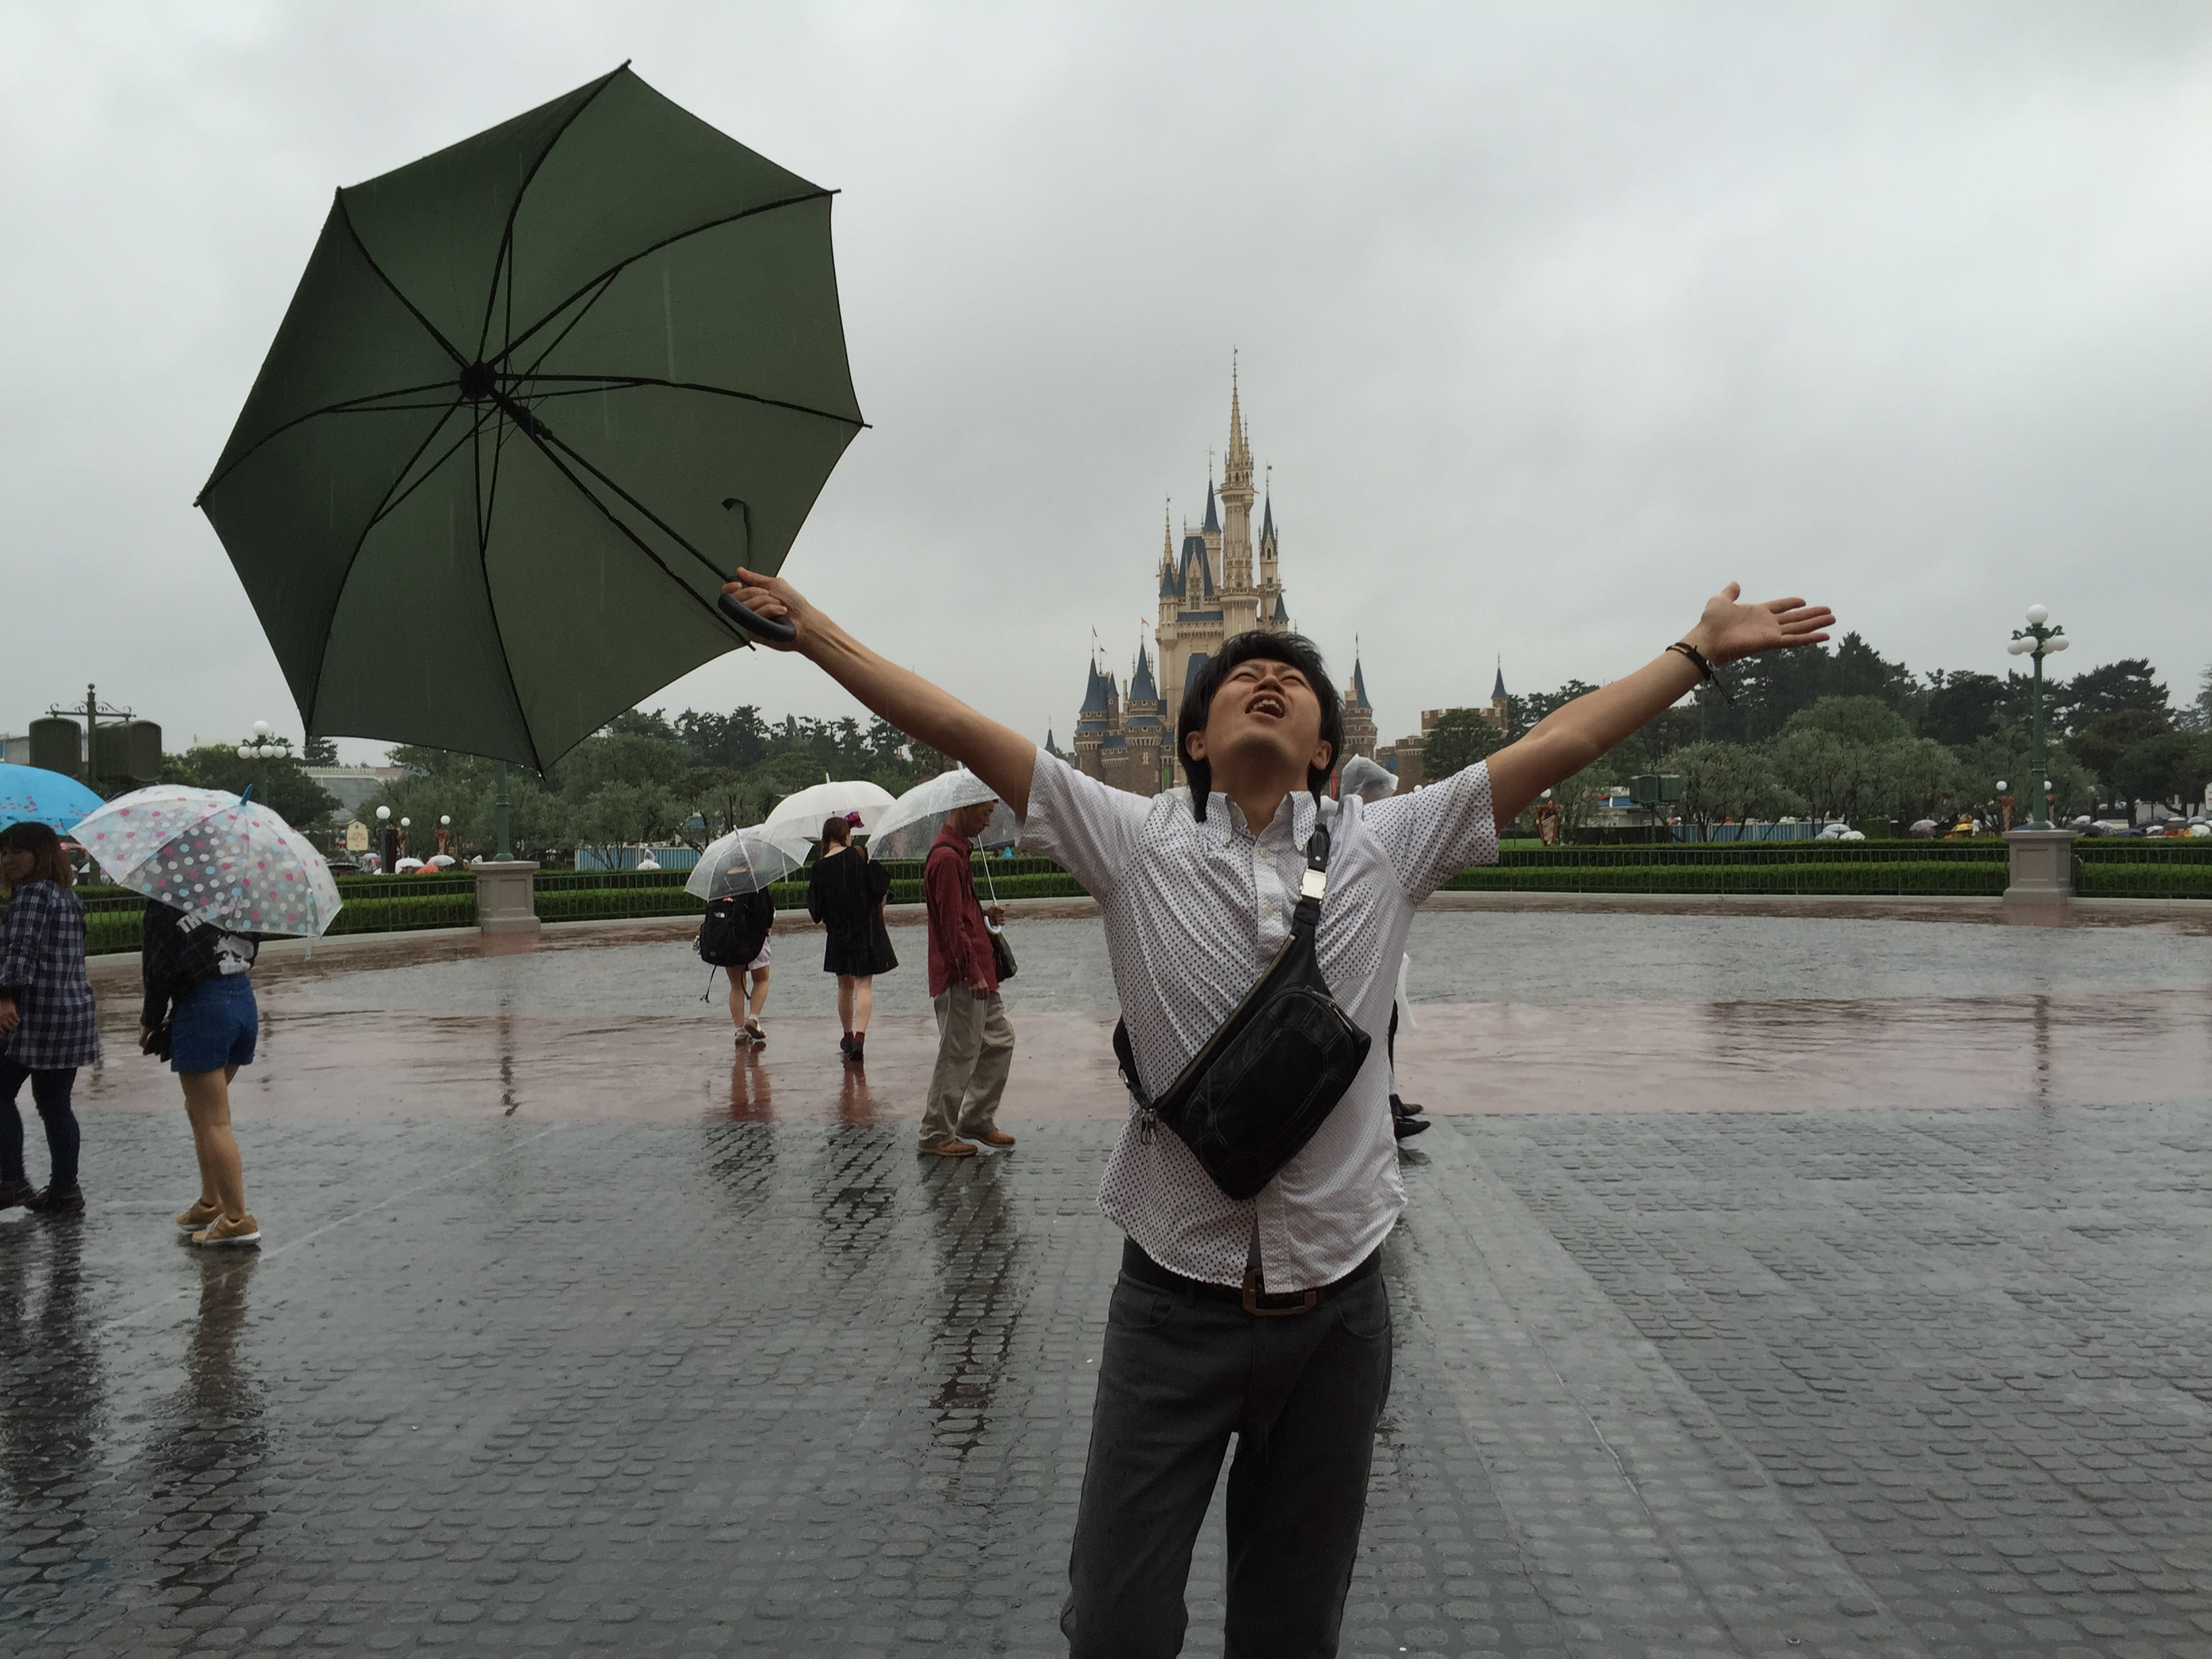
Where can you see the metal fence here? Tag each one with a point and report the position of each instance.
(1881, 869)
(2165, 868)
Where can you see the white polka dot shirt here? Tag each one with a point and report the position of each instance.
(1193, 913)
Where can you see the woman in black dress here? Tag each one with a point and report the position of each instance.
(845, 892)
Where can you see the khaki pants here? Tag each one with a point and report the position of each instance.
(975, 1050)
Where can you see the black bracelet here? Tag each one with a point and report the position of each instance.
(1711, 674)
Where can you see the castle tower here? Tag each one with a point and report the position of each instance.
(1095, 723)
(1500, 711)
(1358, 717)
(1145, 729)
(1240, 597)
(1275, 613)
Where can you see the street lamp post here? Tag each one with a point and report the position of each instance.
(262, 746)
(2042, 856)
(2038, 640)
(386, 840)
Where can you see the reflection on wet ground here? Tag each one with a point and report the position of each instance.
(1720, 1329)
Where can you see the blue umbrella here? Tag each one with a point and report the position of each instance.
(31, 794)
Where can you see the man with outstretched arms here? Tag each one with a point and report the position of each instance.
(1265, 1318)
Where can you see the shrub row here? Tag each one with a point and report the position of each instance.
(1986, 879)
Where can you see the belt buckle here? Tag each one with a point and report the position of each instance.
(1306, 1304)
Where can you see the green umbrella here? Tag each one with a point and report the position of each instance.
(537, 397)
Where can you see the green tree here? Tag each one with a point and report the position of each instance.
(2103, 745)
(1461, 737)
(1827, 773)
(2128, 685)
(318, 751)
(279, 784)
(1909, 779)
(1855, 720)
(1982, 765)
(1725, 781)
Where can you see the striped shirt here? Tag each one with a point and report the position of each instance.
(1193, 913)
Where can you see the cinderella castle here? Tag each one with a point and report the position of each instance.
(1211, 589)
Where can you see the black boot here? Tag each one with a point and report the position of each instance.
(57, 1200)
(1403, 1124)
(12, 1192)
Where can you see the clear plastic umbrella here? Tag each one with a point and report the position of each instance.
(743, 861)
(798, 818)
(215, 857)
(911, 824)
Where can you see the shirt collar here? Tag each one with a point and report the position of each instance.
(1296, 816)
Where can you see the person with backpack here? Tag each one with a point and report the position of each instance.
(1257, 1315)
(46, 1025)
(200, 1016)
(734, 936)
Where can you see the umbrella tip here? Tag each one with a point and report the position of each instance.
(246, 794)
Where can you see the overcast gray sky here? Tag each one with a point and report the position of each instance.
(1552, 317)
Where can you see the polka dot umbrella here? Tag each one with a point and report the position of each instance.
(213, 856)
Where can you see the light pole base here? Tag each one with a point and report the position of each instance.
(2042, 869)
(504, 900)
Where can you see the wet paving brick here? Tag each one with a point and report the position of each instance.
(1871, 1382)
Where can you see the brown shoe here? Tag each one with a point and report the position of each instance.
(202, 1212)
(224, 1230)
(951, 1146)
(998, 1138)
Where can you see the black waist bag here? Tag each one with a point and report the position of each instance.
(1252, 1097)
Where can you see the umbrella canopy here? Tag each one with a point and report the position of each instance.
(536, 398)
(31, 794)
(743, 861)
(799, 816)
(913, 820)
(215, 857)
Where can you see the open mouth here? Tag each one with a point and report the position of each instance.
(1268, 703)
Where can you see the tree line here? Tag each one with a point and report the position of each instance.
(1842, 733)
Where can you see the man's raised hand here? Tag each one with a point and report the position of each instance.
(1729, 630)
(772, 596)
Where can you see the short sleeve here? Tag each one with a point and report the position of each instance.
(880, 879)
(1431, 835)
(1086, 827)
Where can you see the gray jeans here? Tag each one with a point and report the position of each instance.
(1179, 1375)
(975, 1051)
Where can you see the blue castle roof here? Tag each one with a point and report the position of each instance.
(1141, 686)
(1358, 697)
(1212, 518)
(1197, 581)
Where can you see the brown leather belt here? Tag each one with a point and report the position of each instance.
(1264, 1304)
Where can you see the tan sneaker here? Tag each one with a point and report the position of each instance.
(223, 1230)
(199, 1215)
(951, 1146)
(994, 1137)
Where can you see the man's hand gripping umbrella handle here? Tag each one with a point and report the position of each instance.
(774, 629)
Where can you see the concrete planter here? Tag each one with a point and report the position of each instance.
(504, 900)
(2042, 868)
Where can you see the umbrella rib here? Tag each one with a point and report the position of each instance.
(582, 311)
(539, 438)
(365, 404)
(504, 262)
(308, 715)
(658, 522)
(483, 569)
(604, 382)
(413, 310)
(621, 265)
(392, 502)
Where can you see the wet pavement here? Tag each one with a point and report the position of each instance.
(1768, 1285)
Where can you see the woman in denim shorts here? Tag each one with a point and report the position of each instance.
(200, 1015)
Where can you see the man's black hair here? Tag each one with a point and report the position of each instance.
(1301, 653)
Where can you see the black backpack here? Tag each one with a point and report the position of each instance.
(731, 932)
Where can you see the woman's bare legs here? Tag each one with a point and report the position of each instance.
(760, 993)
(845, 983)
(207, 1104)
(864, 1002)
(738, 1000)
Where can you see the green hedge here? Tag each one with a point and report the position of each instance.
(1898, 878)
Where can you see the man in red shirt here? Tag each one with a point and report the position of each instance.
(975, 1045)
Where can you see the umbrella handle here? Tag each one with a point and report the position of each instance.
(768, 627)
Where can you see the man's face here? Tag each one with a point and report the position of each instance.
(1265, 717)
(972, 821)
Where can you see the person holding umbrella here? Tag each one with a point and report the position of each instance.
(218, 871)
(1263, 1318)
(974, 1042)
(47, 1027)
(845, 892)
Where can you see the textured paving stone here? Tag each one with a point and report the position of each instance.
(1871, 1382)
